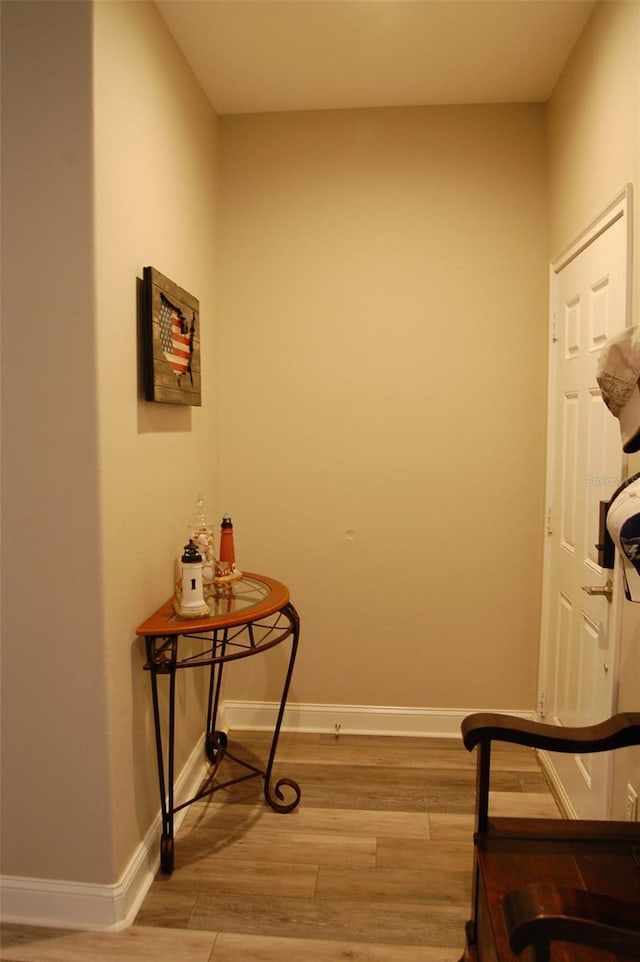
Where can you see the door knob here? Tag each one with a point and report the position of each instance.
(606, 590)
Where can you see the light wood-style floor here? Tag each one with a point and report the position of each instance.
(373, 865)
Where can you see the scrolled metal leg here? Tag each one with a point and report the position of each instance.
(275, 797)
(215, 745)
(282, 806)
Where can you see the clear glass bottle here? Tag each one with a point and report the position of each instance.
(202, 534)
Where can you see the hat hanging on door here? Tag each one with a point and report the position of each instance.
(623, 524)
(618, 374)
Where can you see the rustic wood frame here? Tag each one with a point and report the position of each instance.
(171, 376)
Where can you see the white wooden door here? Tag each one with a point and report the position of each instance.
(578, 678)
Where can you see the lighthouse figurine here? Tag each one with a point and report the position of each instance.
(226, 570)
(189, 601)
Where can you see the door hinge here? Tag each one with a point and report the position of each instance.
(541, 704)
(549, 527)
(554, 331)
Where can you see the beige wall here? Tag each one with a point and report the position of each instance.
(594, 141)
(54, 695)
(109, 164)
(382, 343)
(593, 121)
(155, 192)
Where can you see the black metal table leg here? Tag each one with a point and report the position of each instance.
(215, 741)
(276, 797)
(162, 661)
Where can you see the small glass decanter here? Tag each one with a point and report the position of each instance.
(202, 534)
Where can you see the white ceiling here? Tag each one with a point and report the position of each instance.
(270, 55)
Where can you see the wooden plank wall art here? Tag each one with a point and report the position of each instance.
(172, 342)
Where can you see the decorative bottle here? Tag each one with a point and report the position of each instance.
(202, 534)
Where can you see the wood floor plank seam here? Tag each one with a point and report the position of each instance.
(374, 865)
(361, 794)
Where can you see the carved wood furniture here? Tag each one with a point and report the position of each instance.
(552, 890)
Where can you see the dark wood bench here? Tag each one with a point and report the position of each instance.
(546, 889)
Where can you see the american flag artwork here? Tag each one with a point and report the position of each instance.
(170, 341)
(176, 336)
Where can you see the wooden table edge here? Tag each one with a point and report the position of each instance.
(164, 621)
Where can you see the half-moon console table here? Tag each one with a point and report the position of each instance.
(248, 616)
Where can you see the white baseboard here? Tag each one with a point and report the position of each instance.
(351, 719)
(73, 905)
(557, 788)
(108, 908)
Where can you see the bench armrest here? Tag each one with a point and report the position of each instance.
(619, 731)
(537, 915)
